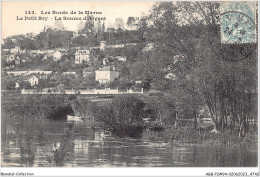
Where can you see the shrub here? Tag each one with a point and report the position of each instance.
(123, 116)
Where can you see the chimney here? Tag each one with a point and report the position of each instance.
(113, 68)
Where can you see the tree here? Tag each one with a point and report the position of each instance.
(124, 72)
(80, 26)
(8, 83)
(119, 23)
(88, 28)
(200, 72)
(59, 25)
(123, 116)
(131, 22)
(8, 44)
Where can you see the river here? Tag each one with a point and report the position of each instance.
(49, 143)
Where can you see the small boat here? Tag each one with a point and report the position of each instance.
(74, 118)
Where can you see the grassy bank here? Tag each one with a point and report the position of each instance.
(187, 135)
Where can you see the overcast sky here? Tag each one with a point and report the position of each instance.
(110, 10)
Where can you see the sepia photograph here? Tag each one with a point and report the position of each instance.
(129, 84)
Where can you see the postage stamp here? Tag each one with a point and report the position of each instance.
(238, 22)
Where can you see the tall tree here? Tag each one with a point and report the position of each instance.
(201, 72)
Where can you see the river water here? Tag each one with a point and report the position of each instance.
(48, 143)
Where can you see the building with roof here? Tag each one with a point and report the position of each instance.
(10, 58)
(106, 74)
(33, 80)
(57, 56)
(16, 50)
(82, 55)
(103, 45)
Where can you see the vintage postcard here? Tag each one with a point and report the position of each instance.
(129, 84)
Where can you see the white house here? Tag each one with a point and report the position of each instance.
(17, 85)
(10, 58)
(57, 56)
(6, 50)
(16, 50)
(106, 74)
(82, 55)
(103, 45)
(105, 61)
(33, 80)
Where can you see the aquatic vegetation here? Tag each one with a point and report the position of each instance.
(189, 135)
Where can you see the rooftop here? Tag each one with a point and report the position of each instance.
(106, 68)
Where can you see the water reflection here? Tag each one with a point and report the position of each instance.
(82, 144)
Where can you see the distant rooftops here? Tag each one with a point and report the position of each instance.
(107, 68)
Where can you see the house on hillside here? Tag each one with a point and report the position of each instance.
(103, 45)
(57, 56)
(82, 55)
(6, 50)
(106, 74)
(17, 60)
(10, 58)
(16, 50)
(17, 85)
(33, 80)
(105, 61)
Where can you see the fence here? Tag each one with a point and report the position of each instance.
(106, 91)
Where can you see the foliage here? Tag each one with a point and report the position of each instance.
(123, 116)
(181, 47)
(42, 107)
(124, 72)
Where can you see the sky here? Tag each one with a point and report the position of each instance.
(111, 10)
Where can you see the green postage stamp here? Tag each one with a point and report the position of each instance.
(238, 22)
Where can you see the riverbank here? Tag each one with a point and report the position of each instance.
(187, 135)
(122, 116)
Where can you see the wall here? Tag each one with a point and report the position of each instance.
(102, 76)
(107, 91)
(113, 75)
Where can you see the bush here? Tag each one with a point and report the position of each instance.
(123, 116)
